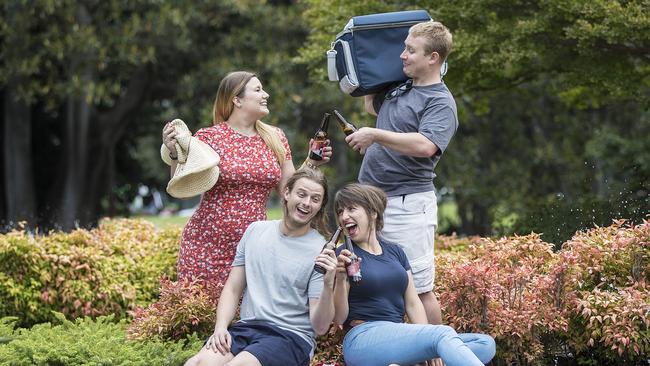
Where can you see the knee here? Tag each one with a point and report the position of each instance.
(447, 331)
(192, 361)
(490, 348)
(197, 360)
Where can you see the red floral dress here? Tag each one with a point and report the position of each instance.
(249, 170)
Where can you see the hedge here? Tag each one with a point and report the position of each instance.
(87, 342)
(588, 302)
(108, 270)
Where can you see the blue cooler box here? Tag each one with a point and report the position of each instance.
(364, 58)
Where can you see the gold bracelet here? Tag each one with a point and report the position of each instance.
(309, 164)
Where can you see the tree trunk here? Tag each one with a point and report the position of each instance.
(78, 112)
(474, 218)
(18, 174)
(111, 127)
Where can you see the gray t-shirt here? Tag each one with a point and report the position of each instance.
(429, 110)
(280, 276)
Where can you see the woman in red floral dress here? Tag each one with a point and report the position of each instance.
(255, 158)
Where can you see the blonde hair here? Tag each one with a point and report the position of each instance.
(438, 38)
(234, 85)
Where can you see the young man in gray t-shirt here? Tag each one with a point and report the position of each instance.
(415, 122)
(285, 302)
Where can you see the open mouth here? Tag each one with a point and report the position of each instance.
(302, 211)
(352, 229)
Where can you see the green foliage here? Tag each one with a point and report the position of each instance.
(108, 270)
(89, 342)
(501, 44)
(184, 307)
(552, 103)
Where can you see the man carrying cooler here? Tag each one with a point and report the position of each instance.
(415, 123)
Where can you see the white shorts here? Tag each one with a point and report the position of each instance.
(410, 221)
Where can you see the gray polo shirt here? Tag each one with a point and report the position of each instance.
(280, 276)
(429, 110)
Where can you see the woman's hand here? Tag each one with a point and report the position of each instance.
(342, 262)
(220, 341)
(327, 154)
(169, 139)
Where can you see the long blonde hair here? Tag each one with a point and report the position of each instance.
(234, 85)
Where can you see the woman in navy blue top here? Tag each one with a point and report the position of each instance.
(374, 308)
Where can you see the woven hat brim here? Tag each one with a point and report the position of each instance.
(198, 174)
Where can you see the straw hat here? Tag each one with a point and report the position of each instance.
(197, 167)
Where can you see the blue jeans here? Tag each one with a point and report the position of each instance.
(381, 343)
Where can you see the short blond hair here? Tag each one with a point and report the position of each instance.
(438, 37)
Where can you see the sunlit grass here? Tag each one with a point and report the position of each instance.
(164, 222)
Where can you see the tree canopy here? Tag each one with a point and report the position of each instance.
(553, 99)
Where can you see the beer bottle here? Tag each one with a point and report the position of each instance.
(331, 244)
(316, 148)
(354, 267)
(347, 127)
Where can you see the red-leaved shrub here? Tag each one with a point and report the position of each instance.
(603, 276)
(184, 307)
(494, 288)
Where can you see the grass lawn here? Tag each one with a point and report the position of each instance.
(163, 222)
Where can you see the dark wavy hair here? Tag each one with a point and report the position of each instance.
(371, 199)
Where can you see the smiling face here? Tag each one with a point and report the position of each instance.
(357, 223)
(253, 100)
(303, 202)
(416, 62)
(359, 209)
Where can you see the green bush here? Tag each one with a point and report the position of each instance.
(107, 270)
(88, 342)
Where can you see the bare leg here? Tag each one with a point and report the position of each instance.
(244, 359)
(207, 357)
(431, 307)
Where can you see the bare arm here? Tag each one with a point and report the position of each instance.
(341, 289)
(230, 295)
(368, 103)
(287, 171)
(321, 310)
(220, 340)
(407, 143)
(413, 305)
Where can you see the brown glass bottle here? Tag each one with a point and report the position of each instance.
(347, 127)
(331, 244)
(353, 268)
(316, 148)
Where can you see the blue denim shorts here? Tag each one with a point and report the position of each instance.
(272, 346)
